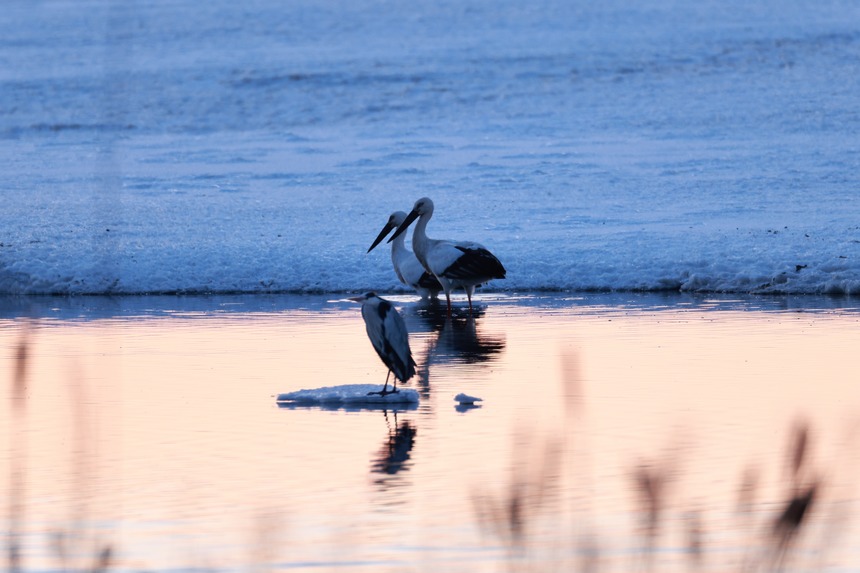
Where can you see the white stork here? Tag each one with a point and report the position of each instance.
(387, 333)
(457, 264)
(409, 269)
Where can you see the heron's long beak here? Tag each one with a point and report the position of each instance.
(406, 222)
(385, 230)
(361, 298)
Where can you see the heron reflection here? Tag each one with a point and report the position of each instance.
(394, 455)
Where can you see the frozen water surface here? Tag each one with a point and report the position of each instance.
(349, 395)
(173, 147)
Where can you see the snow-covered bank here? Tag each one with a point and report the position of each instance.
(186, 149)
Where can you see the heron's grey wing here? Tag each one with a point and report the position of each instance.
(399, 338)
(374, 325)
(387, 333)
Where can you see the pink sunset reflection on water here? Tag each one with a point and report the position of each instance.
(620, 435)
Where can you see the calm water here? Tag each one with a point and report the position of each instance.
(149, 425)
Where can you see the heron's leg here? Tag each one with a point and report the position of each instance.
(448, 298)
(384, 390)
(395, 391)
(387, 392)
(387, 376)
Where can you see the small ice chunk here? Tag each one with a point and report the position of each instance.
(466, 399)
(349, 394)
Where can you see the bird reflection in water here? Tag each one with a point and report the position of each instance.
(394, 455)
(459, 340)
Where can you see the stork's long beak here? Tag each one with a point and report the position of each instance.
(385, 230)
(406, 222)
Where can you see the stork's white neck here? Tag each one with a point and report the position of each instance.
(398, 248)
(399, 242)
(420, 241)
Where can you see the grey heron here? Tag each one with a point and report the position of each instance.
(387, 333)
(457, 264)
(408, 268)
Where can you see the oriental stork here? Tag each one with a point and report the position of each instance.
(457, 264)
(387, 333)
(408, 268)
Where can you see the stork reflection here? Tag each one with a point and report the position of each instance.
(459, 338)
(394, 455)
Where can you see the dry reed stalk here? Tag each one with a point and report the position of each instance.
(18, 451)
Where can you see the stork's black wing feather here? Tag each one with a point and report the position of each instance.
(475, 262)
(429, 281)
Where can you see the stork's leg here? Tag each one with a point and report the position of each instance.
(470, 290)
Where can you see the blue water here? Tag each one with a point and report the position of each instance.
(56, 310)
(714, 69)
